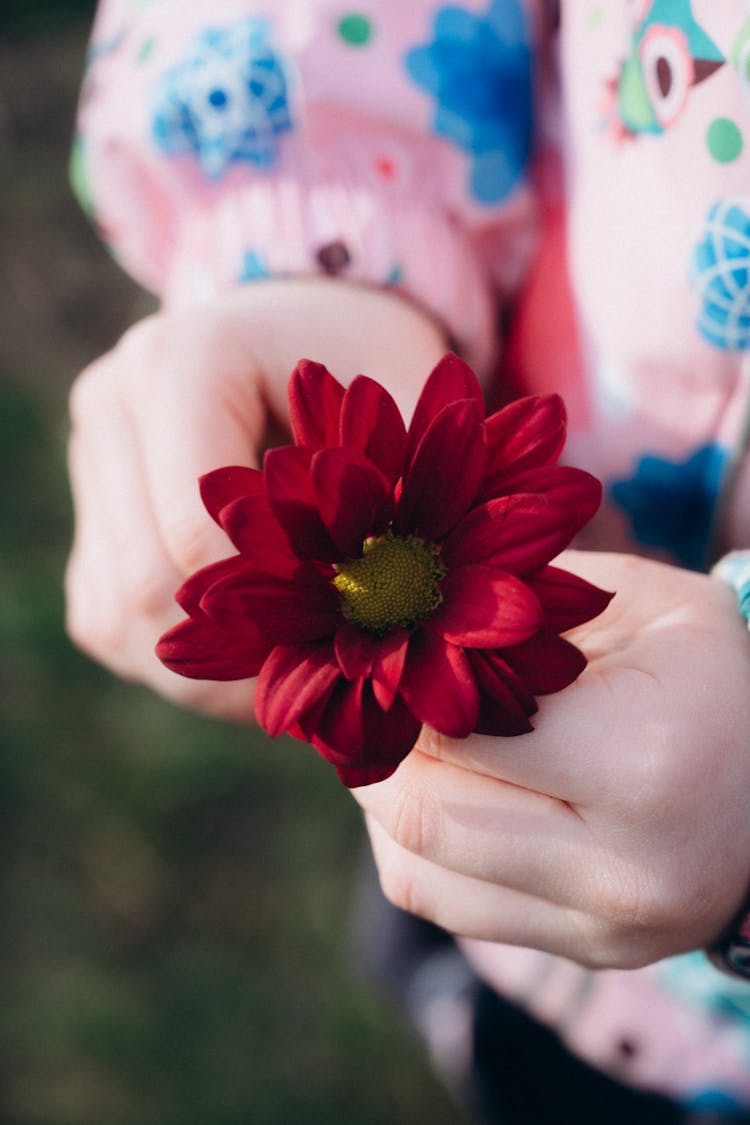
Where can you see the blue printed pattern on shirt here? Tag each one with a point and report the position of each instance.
(478, 69)
(254, 267)
(226, 101)
(670, 505)
(721, 275)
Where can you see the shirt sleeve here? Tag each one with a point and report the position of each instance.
(223, 142)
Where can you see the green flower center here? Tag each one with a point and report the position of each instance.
(393, 585)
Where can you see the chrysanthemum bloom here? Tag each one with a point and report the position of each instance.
(387, 578)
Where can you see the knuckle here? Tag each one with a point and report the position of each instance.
(611, 949)
(617, 909)
(414, 826)
(87, 391)
(638, 917)
(603, 944)
(99, 635)
(432, 742)
(142, 338)
(628, 902)
(601, 950)
(164, 339)
(150, 591)
(401, 888)
(192, 542)
(99, 618)
(141, 353)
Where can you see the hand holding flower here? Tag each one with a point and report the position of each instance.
(614, 834)
(184, 391)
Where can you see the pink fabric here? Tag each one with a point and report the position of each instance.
(638, 205)
(364, 169)
(631, 1024)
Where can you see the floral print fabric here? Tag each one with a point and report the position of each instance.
(479, 70)
(226, 101)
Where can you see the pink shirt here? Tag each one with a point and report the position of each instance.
(594, 180)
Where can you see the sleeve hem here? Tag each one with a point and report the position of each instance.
(277, 229)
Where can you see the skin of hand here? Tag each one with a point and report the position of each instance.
(615, 834)
(185, 392)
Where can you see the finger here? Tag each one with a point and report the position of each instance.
(204, 411)
(119, 583)
(584, 738)
(474, 909)
(93, 597)
(108, 476)
(487, 830)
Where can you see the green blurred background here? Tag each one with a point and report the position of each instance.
(175, 892)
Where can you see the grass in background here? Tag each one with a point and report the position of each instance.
(175, 890)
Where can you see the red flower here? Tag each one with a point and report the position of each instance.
(388, 578)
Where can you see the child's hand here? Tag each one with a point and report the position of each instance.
(618, 831)
(184, 393)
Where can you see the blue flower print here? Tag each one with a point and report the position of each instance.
(478, 69)
(670, 505)
(226, 101)
(721, 275)
(253, 267)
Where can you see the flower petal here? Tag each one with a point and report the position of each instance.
(285, 612)
(201, 651)
(438, 685)
(259, 537)
(546, 663)
(371, 423)
(497, 668)
(391, 736)
(561, 484)
(446, 472)
(352, 497)
(190, 594)
(485, 608)
(336, 728)
(513, 533)
(504, 705)
(223, 486)
(314, 405)
(355, 650)
(355, 735)
(526, 433)
(292, 496)
(388, 666)
(293, 681)
(450, 381)
(567, 600)
(355, 777)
